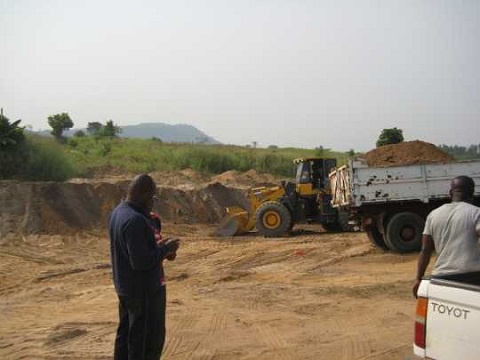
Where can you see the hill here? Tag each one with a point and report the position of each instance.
(168, 133)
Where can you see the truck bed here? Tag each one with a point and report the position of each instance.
(357, 184)
(452, 320)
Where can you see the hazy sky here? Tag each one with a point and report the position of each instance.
(298, 73)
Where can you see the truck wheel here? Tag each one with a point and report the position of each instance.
(341, 223)
(404, 232)
(342, 220)
(375, 237)
(273, 219)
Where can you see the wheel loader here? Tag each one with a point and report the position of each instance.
(273, 211)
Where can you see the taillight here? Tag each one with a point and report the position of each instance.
(421, 322)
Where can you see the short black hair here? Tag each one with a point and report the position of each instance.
(141, 188)
(463, 184)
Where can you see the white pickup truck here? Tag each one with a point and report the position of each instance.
(447, 320)
(392, 203)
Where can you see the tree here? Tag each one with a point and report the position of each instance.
(59, 123)
(390, 136)
(79, 133)
(110, 129)
(12, 147)
(93, 128)
(11, 134)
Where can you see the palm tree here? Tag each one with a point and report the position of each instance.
(11, 134)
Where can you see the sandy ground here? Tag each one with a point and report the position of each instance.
(310, 296)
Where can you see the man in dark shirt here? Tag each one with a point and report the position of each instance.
(137, 274)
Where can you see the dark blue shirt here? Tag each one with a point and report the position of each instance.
(136, 265)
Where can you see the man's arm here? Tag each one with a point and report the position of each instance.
(423, 260)
(476, 221)
(142, 249)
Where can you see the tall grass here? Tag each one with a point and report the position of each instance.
(44, 159)
(140, 155)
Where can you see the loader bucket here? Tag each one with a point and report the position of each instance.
(234, 223)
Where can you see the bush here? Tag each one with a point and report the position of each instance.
(46, 161)
(12, 161)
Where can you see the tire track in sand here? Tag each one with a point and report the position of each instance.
(208, 347)
(276, 344)
(176, 344)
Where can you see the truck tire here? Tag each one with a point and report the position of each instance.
(404, 232)
(375, 237)
(341, 224)
(273, 219)
(342, 219)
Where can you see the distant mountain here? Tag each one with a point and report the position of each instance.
(180, 133)
(169, 133)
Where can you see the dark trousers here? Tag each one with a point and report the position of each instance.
(141, 328)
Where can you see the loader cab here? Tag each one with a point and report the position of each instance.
(312, 175)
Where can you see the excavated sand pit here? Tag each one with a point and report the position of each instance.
(65, 208)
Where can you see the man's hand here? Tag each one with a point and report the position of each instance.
(172, 245)
(415, 287)
(171, 256)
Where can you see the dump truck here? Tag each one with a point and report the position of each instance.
(273, 211)
(391, 203)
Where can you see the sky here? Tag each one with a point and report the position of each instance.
(304, 73)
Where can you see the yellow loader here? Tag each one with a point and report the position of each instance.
(273, 211)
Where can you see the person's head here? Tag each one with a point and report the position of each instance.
(141, 191)
(462, 188)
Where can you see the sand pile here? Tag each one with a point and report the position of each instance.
(407, 153)
(55, 208)
(249, 178)
(69, 208)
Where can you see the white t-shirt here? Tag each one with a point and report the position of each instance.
(453, 228)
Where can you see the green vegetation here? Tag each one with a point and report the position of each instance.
(12, 147)
(139, 155)
(59, 123)
(462, 152)
(107, 130)
(46, 161)
(390, 136)
(33, 157)
(99, 149)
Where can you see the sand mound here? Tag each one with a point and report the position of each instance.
(185, 179)
(69, 208)
(55, 208)
(249, 178)
(407, 153)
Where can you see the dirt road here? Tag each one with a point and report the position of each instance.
(310, 296)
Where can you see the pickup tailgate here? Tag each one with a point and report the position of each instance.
(453, 321)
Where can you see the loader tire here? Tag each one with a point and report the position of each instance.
(404, 232)
(273, 219)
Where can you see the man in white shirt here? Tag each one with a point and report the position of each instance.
(453, 231)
